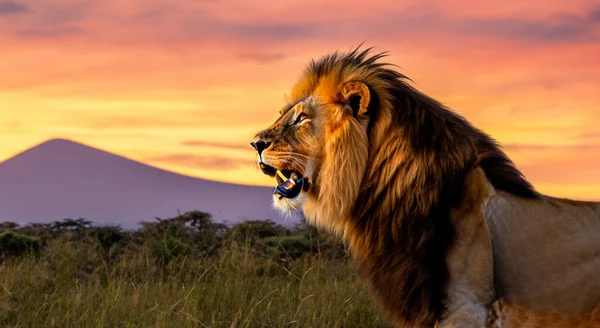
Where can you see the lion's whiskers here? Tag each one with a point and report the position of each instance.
(291, 153)
(292, 159)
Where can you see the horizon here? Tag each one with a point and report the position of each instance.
(184, 86)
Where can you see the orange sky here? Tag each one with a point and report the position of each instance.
(184, 85)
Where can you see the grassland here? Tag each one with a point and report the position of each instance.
(182, 272)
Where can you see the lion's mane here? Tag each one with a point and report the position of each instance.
(390, 191)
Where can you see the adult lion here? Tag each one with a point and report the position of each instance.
(438, 219)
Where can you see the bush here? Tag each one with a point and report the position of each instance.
(8, 226)
(170, 248)
(252, 231)
(327, 245)
(192, 233)
(108, 236)
(15, 244)
(291, 247)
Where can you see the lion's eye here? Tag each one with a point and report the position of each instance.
(300, 118)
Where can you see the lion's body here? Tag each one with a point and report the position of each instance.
(506, 315)
(435, 214)
(546, 252)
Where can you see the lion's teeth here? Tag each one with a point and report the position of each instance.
(281, 175)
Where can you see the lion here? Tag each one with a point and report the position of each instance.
(439, 221)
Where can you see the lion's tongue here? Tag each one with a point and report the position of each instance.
(291, 186)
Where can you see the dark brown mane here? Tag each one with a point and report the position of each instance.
(428, 119)
(400, 228)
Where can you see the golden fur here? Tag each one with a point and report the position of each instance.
(403, 179)
(506, 315)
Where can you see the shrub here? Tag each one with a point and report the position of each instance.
(108, 236)
(252, 231)
(15, 244)
(191, 233)
(8, 226)
(289, 247)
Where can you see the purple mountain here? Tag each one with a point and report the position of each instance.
(61, 178)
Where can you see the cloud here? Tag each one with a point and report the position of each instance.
(211, 27)
(590, 135)
(9, 7)
(202, 143)
(107, 122)
(262, 57)
(272, 32)
(165, 118)
(565, 173)
(538, 147)
(11, 127)
(199, 161)
(556, 28)
(594, 14)
(47, 32)
(50, 18)
(12, 124)
(152, 22)
(557, 164)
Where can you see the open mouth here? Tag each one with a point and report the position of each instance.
(289, 183)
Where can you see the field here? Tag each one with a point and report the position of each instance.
(180, 272)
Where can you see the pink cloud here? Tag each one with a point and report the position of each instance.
(213, 144)
(191, 160)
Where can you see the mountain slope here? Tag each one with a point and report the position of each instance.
(61, 178)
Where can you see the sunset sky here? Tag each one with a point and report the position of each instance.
(184, 85)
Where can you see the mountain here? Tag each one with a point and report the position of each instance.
(61, 178)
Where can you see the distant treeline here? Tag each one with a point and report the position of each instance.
(189, 235)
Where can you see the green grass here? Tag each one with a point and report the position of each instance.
(79, 284)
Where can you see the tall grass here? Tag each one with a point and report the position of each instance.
(78, 282)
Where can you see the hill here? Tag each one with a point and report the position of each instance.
(60, 178)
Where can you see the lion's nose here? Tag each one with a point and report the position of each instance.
(260, 145)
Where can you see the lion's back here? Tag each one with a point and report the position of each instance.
(546, 251)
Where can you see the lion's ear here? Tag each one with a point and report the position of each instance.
(357, 96)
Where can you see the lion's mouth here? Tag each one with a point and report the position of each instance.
(289, 183)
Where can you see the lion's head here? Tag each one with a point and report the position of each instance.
(322, 137)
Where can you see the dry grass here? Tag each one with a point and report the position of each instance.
(71, 285)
